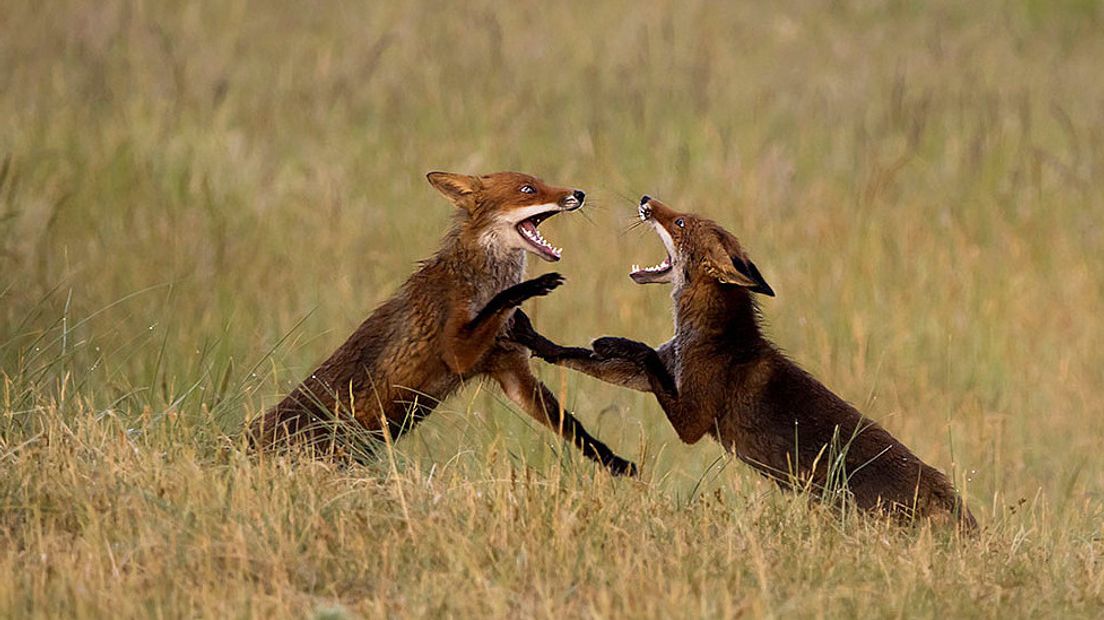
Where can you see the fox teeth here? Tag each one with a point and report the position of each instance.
(654, 268)
(539, 239)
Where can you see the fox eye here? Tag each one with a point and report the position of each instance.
(528, 189)
(680, 223)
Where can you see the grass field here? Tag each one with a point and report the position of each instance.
(200, 201)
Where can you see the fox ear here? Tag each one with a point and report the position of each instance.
(728, 269)
(751, 272)
(456, 187)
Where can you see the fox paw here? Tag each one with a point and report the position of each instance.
(537, 287)
(614, 464)
(610, 347)
(522, 331)
(618, 466)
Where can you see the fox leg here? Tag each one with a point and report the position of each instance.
(645, 359)
(467, 338)
(538, 401)
(691, 419)
(624, 373)
(623, 362)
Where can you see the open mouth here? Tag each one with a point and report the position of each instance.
(527, 228)
(655, 273)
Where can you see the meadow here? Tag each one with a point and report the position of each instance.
(200, 201)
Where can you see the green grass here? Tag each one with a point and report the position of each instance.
(199, 201)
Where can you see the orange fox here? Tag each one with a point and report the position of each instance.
(720, 376)
(446, 324)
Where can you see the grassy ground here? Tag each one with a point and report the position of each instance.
(199, 201)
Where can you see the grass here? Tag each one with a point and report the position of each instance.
(199, 201)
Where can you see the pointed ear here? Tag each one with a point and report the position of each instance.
(751, 272)
(718, 265)
(458, 188)
(736, 270)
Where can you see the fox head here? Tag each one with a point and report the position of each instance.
(504, 209)
(697, 248)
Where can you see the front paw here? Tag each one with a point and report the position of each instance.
(611, 347)
(522, 331)
(537, 287)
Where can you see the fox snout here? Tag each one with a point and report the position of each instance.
(573, 201)
(656, 212)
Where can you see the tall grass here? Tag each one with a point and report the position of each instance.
(199, 201)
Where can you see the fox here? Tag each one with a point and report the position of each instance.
(446, 325)
(720, 376)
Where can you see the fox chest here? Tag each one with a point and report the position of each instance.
(740, 421)
(415, 351)
(742, 432)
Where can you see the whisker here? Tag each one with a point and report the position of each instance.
(626, 198)
(636, 223)
(593, 204)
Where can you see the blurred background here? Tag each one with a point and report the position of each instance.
(203, 198)
(194, 191)
(199, 201)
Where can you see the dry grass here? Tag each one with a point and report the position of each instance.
(198, 201)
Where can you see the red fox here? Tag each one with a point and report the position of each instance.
(719, 375)
(445, 325)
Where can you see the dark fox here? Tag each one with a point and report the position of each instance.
(445, 325)
(720, 376)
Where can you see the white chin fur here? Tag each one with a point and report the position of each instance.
(505, 236)
(668, 242)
